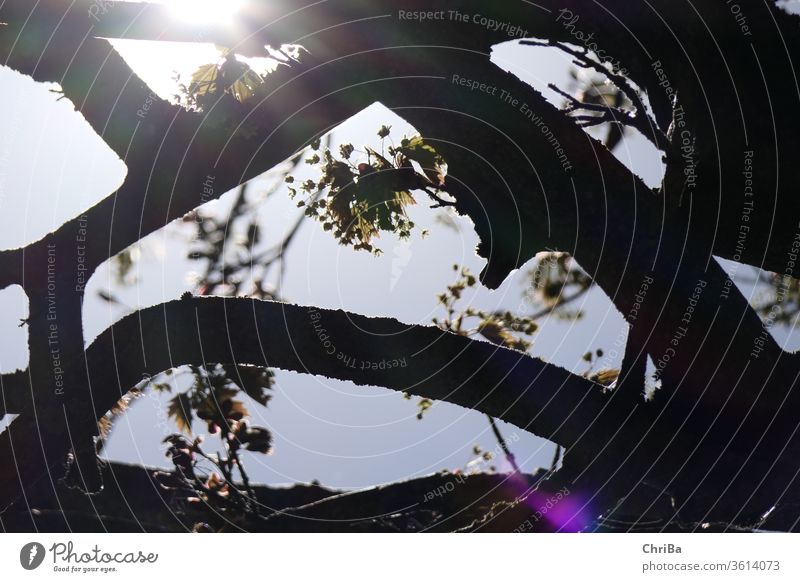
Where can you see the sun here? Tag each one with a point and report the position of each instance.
(204, 11)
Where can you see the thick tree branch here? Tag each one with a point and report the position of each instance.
(383, 352)
(133, 500)
(425, 361)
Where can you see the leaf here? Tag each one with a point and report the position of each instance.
(423, 405)
(606, 376)
(125, 261)
(104, 426)
(204, 80)
(254, 381)
(496, 332)
(107, 297)
(402, 199)
(346, 150)
(256, 439)
(260, 446)
(177, 440)
(381, 163)
(245, 86)
(235, 76)
(234, 410)
(426, 156)
(180, 409)
(240, 80)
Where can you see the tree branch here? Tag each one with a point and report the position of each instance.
(424, 361)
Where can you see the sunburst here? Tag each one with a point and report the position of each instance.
(205, 11)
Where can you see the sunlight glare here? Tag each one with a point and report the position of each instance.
(206, 11)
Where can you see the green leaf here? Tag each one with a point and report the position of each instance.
(204, 80)
(423, 406)
(426, 156)
(245, 86)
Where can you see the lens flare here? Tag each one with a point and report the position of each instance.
(205, 11)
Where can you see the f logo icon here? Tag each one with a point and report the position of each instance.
(31, 555)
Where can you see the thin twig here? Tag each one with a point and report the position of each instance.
(642, 120)
(442, 202)
(575, 103)
(549, 310)
(503, 444)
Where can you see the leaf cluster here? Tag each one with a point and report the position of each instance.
(501, 328)
(357, 200)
